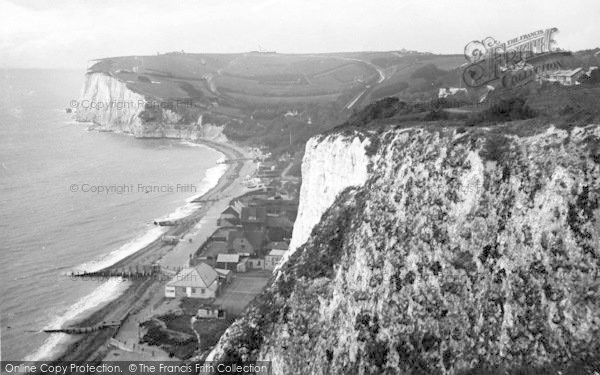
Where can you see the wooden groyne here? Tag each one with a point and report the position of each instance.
(133, 271)
(185, 220)
(83, 330)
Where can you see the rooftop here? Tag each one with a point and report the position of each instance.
(201, 276)
(277, 253)
(228, 258)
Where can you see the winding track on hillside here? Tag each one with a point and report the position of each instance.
(368, 88)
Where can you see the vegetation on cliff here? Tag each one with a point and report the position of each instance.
(465, 252)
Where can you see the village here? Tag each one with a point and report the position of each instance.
(185, 312)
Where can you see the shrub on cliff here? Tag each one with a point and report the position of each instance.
(505, 110)
(436, 114)
(381, 109)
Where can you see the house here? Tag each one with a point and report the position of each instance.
(256, 263)
(239, 243)
(565, 77)
(253, 218)
(279, 245)
(273, 258)
(256, 239)
(445, 92)
(266, 166)
(201, 281)
(279, 206)
(229, 217)
(228, 261)
(279, 227)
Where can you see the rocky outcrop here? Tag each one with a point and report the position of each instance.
(462, 250)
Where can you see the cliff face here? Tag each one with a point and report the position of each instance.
(459, 251)
(112, 106)
(330, 165)
(120, 107)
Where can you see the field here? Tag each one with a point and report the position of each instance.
(256, 78)
(250, 93)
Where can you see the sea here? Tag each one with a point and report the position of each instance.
(74, 199)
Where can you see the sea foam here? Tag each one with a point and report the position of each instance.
(103, 294)
(209, 181)
(123, 252)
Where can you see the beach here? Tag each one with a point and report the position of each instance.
(195, 227)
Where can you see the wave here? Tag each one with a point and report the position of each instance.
(103, 294)
(123, 252)
(209, 181)
(193, 144)
(115, 287)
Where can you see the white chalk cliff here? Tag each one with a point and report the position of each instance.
(442, 251)
(110, 104)
(330, 165)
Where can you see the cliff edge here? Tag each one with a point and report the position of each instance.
(456, 251)
(112, 105)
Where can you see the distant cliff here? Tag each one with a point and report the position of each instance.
(443, 251)
(111, 105)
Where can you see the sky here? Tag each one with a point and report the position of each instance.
(68, 33)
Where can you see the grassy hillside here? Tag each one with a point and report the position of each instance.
(243, 80)
(281, 100)
(251, 93)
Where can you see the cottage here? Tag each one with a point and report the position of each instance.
(256, 263)
(445, 92)
(228, 261)
(250, 242)
(201, 282)
(238, 243)
(257, 240)
(279, 245)
(229, 217)
(273, 259)
(279, 227)
(253, 218)
(566, 77)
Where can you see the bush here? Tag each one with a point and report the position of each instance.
(389, 90)
(435, 115)
(505, 110)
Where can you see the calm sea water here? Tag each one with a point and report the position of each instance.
(47, 229)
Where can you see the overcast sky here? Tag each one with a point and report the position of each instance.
(67, 33)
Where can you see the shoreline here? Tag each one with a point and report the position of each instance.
(93, 346)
